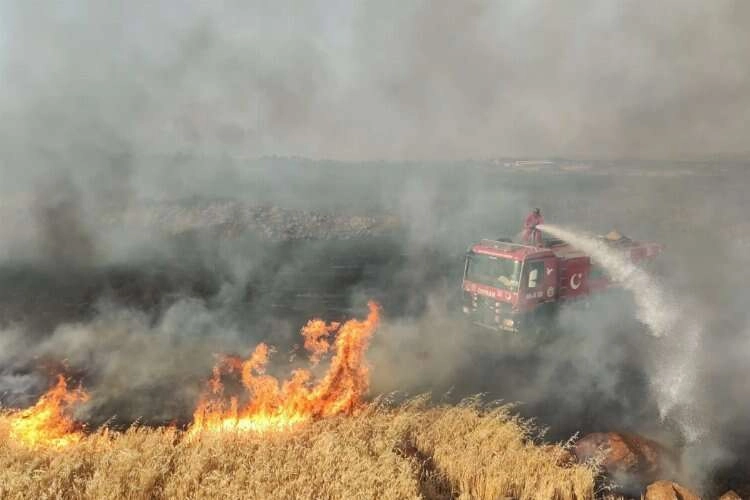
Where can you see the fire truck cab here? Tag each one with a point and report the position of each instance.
(510, 286)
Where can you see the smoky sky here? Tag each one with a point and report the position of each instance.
(372, 80)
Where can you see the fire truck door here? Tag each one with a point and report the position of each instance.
(539, 281)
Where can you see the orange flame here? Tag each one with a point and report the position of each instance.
(45, 423)
(275, 406)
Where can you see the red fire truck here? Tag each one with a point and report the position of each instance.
(512, 286)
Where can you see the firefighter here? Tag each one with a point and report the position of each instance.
(532, 235)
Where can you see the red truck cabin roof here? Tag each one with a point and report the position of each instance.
(561, 250)
(507, 250)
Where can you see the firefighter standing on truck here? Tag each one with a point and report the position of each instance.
(532, 235)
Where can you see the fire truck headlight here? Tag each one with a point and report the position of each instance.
(508, 323)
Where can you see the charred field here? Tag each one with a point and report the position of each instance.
(134, 302)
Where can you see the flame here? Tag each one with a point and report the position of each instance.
(45, 423)
(281, 406)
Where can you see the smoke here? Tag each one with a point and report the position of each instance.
(136, 365)
(672, 378)
(64, 239)
(371, 80)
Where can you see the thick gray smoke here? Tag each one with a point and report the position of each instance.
(141, 370)
(370, 80)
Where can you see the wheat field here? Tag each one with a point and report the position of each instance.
(411, 450)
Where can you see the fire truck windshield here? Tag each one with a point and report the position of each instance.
(493, 271)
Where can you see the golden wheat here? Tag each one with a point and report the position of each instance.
(410, 451)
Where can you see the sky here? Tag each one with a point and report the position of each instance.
(375, 80)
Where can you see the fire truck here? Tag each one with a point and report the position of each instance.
(518, 287)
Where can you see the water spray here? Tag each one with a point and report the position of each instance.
(672, 377)
(653, 307)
